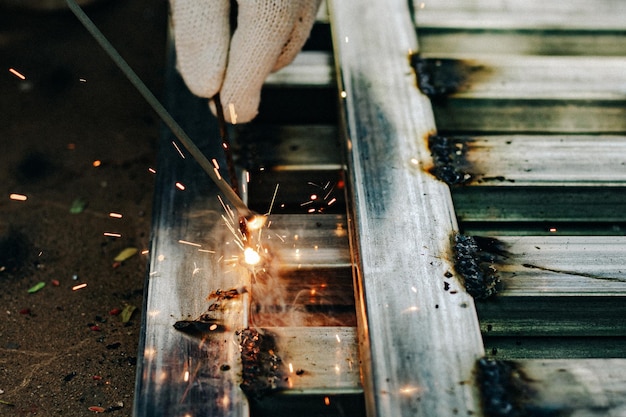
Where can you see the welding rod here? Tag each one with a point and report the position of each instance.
(178, 131)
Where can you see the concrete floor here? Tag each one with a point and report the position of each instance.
(61, 351)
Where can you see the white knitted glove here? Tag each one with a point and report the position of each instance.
(269, 34)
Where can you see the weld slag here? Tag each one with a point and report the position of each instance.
(474, 260)
(262, 368)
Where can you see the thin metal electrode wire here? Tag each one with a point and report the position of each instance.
(195, 152)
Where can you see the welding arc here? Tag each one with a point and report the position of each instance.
(178, 131)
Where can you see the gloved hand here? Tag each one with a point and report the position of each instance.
(268, 36)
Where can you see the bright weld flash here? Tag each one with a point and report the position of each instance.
(251, 257)
(255, 222)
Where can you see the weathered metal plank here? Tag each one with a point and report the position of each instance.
(321, 373)
(417, 343)
(550, 204)
(553, 285)
(562, 265)
(306, 241)
(177, 373)
(284, 147)
(527, 160)
(585, 387)
(516, 347)
(525, 94)
(515, 77)
(309, 68)
(522, 42)
(598, 15)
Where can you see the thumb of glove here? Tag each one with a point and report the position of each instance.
(202, 37)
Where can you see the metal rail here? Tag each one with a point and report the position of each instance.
(367, 313)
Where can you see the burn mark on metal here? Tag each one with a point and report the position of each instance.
(438, 77)
(206, 323)
(506, 392)
(262, 368)
(474, 259)
(449, 160)
(220, 295)
(199, 327)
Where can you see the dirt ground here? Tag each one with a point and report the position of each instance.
(75, 135)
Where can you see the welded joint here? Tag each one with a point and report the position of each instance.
(504, 389)
(448, 160)
(474, 260)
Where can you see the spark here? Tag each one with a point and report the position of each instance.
(17, 73)
(332, 201)
(97, 163)
(311, 210)
(414, 161)
(290, 368)
(182, 155)
(82, 80)
(552, 229)
(273, 200)
(110, 234)
(337, 369)
(326, 400)
(115, 215)
(344, 94)
(186, 376)
(248, 177)
(338, 338)
(18, 197)
(409, 389)
(161, 258)
(180, 186)
(152, 170)
(227, 209)
(206, 251)
(213, 327)
(215, 164)
(186, 242)
(347, 39)
(145, 252)
(217, 173)
(79, 286)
